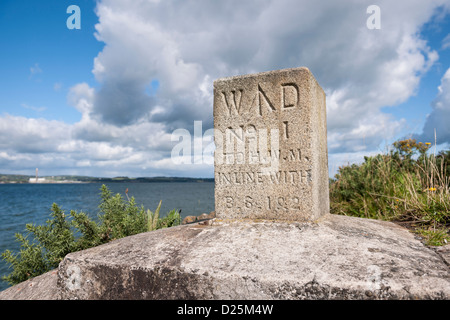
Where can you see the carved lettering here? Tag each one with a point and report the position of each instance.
(286, 132)
(262, 98)
(229, 202)
(254, 156)
(293, 177)
(289, 95)
(281, 202)
(235, 146)
(234, 102)
(290, 203)
(225, 179)
(249, 177)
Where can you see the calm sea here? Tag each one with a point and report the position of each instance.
(30, 203)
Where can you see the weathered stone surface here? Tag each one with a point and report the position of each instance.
(202, 217)
(271, 146)
(444, 252)
(338, 258)
(42, 287)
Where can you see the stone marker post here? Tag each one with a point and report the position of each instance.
(271, 159)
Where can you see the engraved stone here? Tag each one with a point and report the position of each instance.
(271, 159)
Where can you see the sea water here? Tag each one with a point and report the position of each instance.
(31, 203)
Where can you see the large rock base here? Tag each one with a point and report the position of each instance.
(337, 257)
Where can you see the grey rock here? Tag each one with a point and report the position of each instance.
(189, 219)
(444, 252)
(42, 287)
(203, 216)
(337, 257)
(212, 215)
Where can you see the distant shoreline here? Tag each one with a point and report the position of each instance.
(23, 179)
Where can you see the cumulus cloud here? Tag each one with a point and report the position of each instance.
(24, 135)
(87, 147)
(184, 46)
(438, 120)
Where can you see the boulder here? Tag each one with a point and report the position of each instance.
(337, 257)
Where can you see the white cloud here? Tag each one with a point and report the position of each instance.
(81, 96)
(24, 135)
(446, 42)
(184, 46)
(35, 70)
(439, 118)
(37, 109)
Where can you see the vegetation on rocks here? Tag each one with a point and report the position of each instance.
(63, 233)
(409, 185)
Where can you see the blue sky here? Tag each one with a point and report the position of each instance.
(415, 109)
(41, 58)
(104, 100)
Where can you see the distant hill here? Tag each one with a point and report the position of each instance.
(15, 178)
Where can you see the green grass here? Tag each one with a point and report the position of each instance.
(406, 185)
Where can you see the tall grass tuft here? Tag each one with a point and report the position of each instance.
(152, 218)
(405, 185)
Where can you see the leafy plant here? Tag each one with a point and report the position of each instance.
(63, 234)
(173, 218)
(51, 243)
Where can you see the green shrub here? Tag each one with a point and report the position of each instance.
(63, 234)
(406, 185)
(51, 243)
